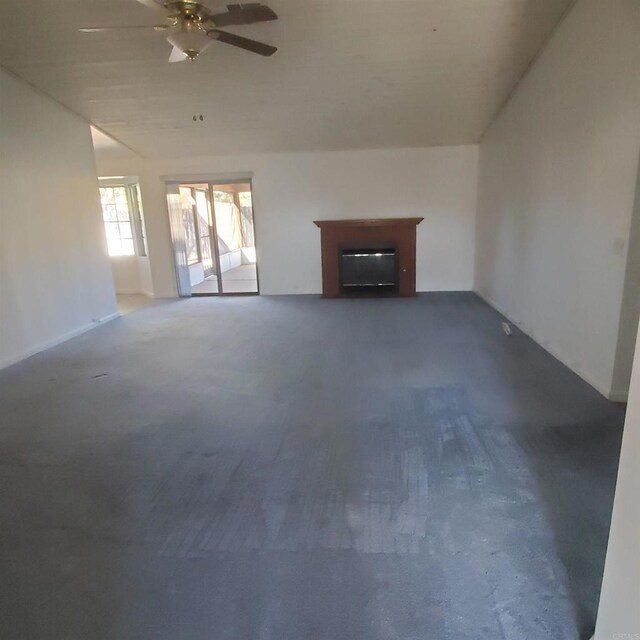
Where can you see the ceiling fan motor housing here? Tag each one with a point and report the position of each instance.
(191, 38)
(188, 9)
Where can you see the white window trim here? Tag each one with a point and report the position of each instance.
(139, 234)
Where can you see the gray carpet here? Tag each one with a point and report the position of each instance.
(292, 468)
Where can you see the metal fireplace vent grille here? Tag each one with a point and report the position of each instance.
(368, 270)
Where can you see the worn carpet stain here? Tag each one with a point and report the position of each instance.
(289, 468)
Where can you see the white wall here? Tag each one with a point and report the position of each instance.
(55, 279)
(292, 190)
(556, 189)
(630, 311)
(126, 277)
(144, 276)
(131, 274)
(619, 610)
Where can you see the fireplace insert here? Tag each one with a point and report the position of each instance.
(369, 271)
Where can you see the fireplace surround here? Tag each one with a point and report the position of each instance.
(374, 256)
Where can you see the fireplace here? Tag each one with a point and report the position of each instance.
(376, 256)
(368, 271)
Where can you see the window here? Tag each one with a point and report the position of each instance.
(123, 218)
(117, 221)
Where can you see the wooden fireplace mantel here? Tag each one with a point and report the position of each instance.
(399, 233)
(368, 222)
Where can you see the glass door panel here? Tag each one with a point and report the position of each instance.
(176, 221)
(203, 210)
(187, 204)
(200, 253)
(233, 217)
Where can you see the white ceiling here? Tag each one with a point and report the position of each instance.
(348, 74)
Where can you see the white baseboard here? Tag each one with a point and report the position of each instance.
(43, 346)
(550, 348)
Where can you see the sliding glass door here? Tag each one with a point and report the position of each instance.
(214, 244)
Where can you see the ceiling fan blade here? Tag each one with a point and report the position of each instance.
(157, 27)
(243, 43)
(153, 4)
(244, 14)
(177, 55)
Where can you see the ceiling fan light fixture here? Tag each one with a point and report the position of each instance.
(190, 38)
(191, 27)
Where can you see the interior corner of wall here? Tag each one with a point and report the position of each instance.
(605, 390)
(618, 395)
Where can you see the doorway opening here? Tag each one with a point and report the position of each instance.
(214, 240)
(125, 233)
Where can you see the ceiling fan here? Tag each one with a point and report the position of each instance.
(192, 27)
